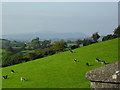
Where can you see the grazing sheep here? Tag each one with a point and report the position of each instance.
(103, 62)
(12, 71)
(5, 77)
(87, 64)
(97, 60)
(71, 51)
(75, 60)
(22, 79)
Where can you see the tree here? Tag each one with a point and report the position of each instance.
(117, 31)
(46, 44)
(78, 42)
(15, 59)
(35, 43)
(69, 41)
(60, 45)
(5, 43)
(108, 37)
(9, 48)
(6, 59)
(95, 36)
(30, 56)
(87, 42)
(74, 46)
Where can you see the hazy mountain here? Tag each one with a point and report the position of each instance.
(43, 36)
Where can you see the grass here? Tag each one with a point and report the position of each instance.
(59, 70)
(25, 51)
(70, 44)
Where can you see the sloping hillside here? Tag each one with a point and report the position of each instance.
(59, 70)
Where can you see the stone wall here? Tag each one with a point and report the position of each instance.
(107, 76)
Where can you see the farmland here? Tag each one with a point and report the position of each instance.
(59, 70)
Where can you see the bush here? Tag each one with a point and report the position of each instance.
(87, 42)
(95, 36)
(60, 45)
(30, 56)
(117, 31)
(108, 37)
(15, 59)
(45, 52)
(74, 46)
(6, 60)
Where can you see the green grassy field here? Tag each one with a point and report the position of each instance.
(25, 51)
(59, 70)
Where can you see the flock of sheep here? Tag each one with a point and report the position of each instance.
(12, 71)
(97, 60)
(75, 60)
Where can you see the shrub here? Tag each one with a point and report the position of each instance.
(87, 42)
(74, 46)
(30, 56)
(108, 37)
(60, 45)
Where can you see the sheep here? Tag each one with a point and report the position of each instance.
(5, 77)
(103, 62)
(71, 51)
(22, 79)
(75, 60)
(97, 60)
(12, 71)
(87, 64)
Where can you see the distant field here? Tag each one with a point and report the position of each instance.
(71, 44)
(25, 51)
(59, 70)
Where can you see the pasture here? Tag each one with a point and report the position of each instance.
(59, 70)
(25, 51)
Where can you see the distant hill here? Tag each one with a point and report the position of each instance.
(43, 36)
(59, 70)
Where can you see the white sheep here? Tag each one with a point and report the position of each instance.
(22, 79)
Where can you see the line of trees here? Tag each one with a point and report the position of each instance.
(116, 33)
(39, 52)
(46, 48)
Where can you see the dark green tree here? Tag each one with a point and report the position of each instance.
(30, 56)
(78, 42)
(108, 37)
(46, 44)
(95, 36)
(117, 31)
(9, 48)
(69, 41)
(60, 45)
(35, 43)
(87, 41)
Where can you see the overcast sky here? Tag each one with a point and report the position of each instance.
(87, 17)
